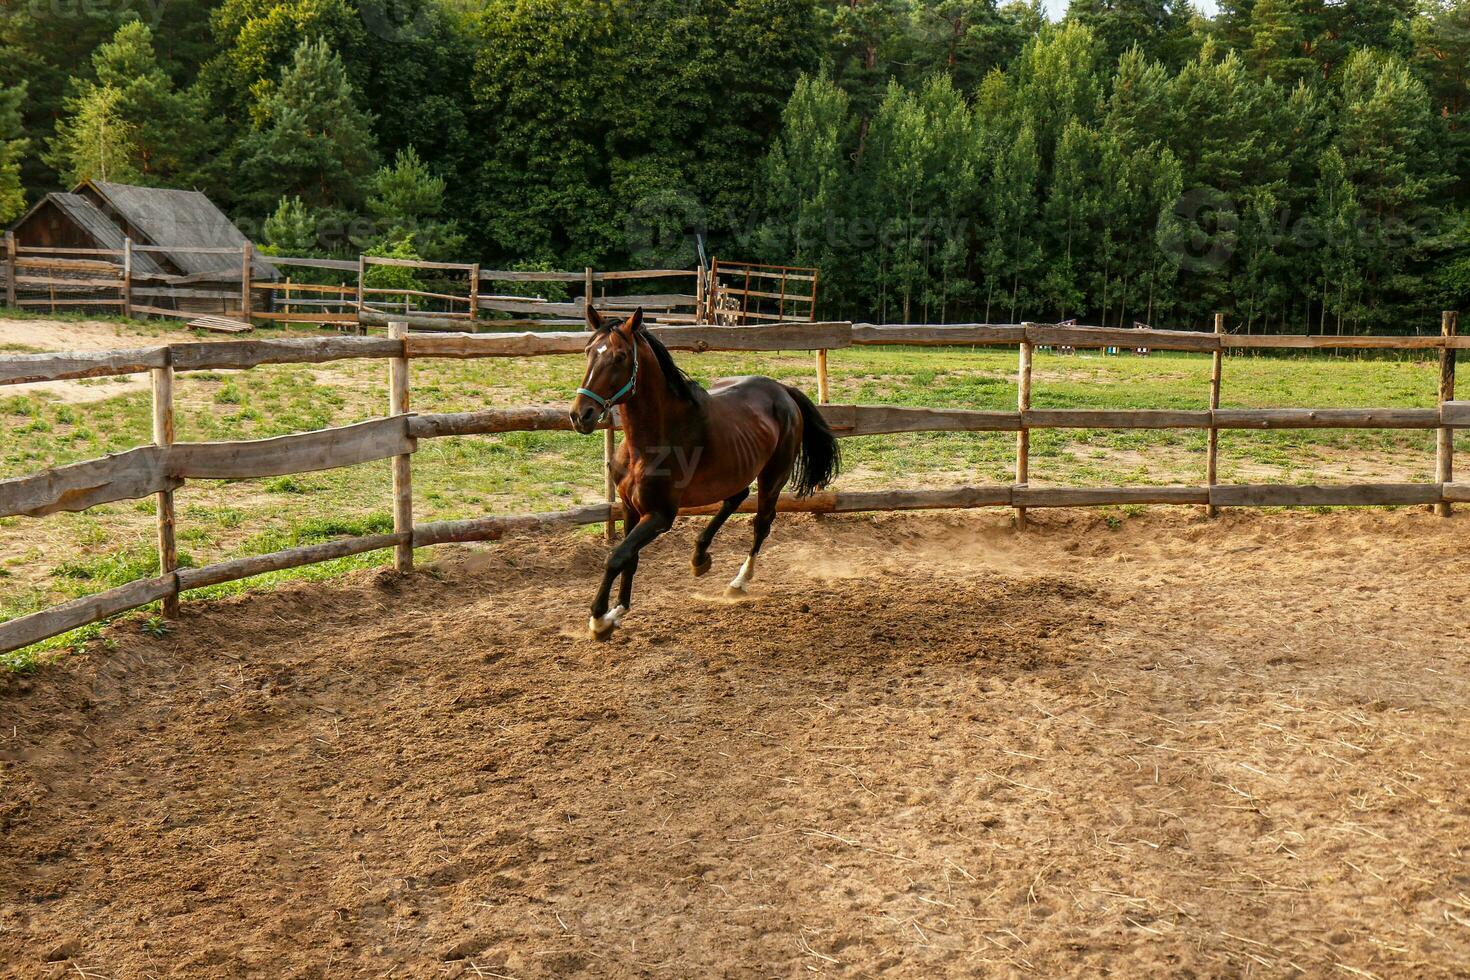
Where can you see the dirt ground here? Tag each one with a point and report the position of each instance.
(81, 335)
(923, 745)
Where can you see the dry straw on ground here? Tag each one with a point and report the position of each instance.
(923, 746)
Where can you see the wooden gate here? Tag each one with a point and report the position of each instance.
(742, 293)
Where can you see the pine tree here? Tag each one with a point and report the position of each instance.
(259, 40)
(755, 50)
(917, 178)
(45, 46)
(148, 131)
(1226, 129)
(1385, 136)
(1442, 59)
(313, 141)
(1055, 81)
(1277, 41)
(1161, 225)
(953, 191)
(1157, 27)
(1335, 240)
(1221, 121)
(1013, 250)
(173, 132)
(808, 181)
(1258, 288)
(964, 39)
(1070, 208)
(406, 200)
(864, 33)
(891, 176)
(291, 229)
(1139, 100)
(13, 148)
(1135, 257)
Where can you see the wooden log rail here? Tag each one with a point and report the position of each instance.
(162, 468)
(239, 354)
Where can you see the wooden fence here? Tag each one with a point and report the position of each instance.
(749, 292)
(56, 279)
(161, 468)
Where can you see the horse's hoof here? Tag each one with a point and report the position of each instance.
(601, 627)
(733, 591)
(700, 567)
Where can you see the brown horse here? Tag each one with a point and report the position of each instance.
(684, 446)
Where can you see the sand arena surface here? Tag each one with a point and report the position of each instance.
(924, 746)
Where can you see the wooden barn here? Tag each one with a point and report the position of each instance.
(186, 254)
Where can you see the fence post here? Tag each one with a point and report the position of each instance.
(361, 274)
(163, 435)
(822, 388)
(10, 268)
(402, 465)
(1212, 458)
(247, 266)
(475, 298)
(1023, 436)
(1444, 470)
(699, 293)
(127, 287)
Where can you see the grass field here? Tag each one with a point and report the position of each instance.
(53, 559)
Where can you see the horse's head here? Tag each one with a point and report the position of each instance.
(612, 368)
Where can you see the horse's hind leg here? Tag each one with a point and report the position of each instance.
(768, 489)
(701, 561)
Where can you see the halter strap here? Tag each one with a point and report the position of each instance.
(627, 389)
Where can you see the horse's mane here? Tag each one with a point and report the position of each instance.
(680, 384)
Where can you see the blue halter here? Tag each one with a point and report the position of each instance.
(627, 389)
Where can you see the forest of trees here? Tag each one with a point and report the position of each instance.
(1298, 164)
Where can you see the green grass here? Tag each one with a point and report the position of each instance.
(63, 556)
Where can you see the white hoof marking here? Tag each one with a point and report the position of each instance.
(601, 626)
(747, 572)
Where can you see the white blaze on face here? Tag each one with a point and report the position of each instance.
(587, 381)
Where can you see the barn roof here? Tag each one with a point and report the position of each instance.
(107, 235)
(176, 221)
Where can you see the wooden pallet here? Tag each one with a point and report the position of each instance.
(220, 324)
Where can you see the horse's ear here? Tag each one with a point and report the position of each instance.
(594, 319)
(635, 322)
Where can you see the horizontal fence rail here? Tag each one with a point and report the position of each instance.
(238, 354)
(154, 469)
(163, 467)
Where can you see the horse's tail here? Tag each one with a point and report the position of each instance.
(819, 458)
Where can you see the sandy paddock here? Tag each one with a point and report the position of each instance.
(924, 745)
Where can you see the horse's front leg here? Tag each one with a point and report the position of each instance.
(631, 517)
(624, 559)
